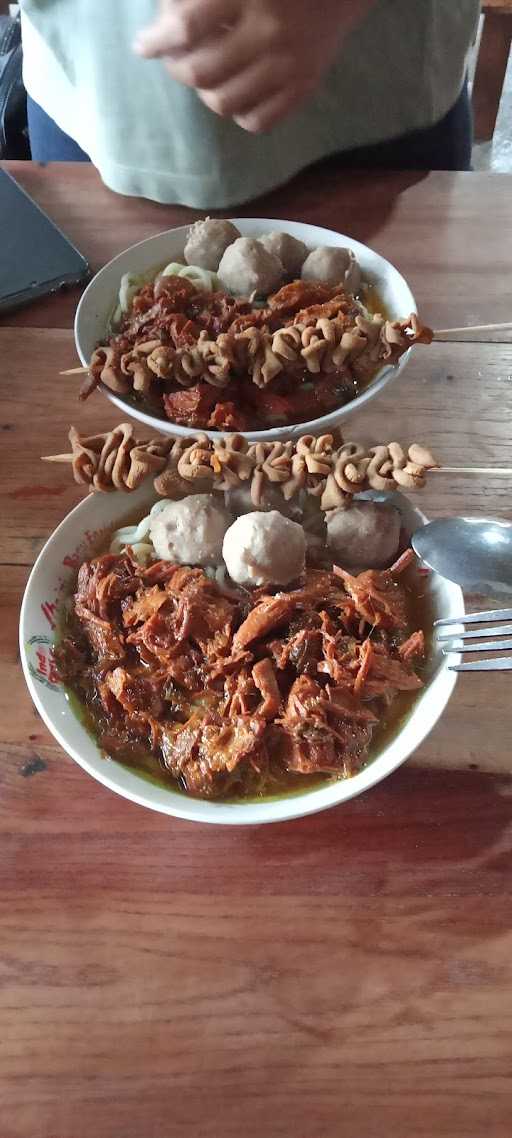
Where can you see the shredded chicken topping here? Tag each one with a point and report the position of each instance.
(226, 689)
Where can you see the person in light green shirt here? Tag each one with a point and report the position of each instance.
(213, 102)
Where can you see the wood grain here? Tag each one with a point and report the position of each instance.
(503, 7)
(456, 398)
(316, 987)
(416, 220)
(346, 974)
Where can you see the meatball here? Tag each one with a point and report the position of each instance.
(291, 252)
(190, 532)
(207, 240)
(247, 268)
(364, 535)
(333, 266)
(264, 549)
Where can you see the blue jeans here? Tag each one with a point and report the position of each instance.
(444, 146)
(48, 143)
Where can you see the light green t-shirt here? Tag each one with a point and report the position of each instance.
(401, 70)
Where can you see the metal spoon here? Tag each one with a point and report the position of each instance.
(476, 553)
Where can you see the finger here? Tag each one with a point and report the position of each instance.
(186, 25)
(213, 64)
(250, 87)
(269, 113)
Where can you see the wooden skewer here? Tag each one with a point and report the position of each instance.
(471, 329)
(463, 330)
(470, 470)
(439, 334)
(57, 458)
(500, 470)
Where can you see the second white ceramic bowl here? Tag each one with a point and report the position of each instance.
(100, 298)
(83, 533)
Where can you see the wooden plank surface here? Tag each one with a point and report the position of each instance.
(345, 974)
(348, 975)
(504, 7)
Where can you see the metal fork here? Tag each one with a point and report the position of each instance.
(463, 641)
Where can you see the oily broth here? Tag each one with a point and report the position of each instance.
(373, 301)
(375, 305)
(420, 607)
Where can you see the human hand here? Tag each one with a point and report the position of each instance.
(251, 60)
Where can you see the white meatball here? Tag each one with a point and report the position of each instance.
(291, 252)
(207, 241)
(191, 532)
(264, 549)
(333, 266)
(248, 267)
(364, 535)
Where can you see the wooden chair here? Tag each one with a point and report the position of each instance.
(491, 66)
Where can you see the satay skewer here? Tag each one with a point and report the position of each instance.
(497, 470)
(326, 466)
(442, 333)
(439, 334)
(503, 470)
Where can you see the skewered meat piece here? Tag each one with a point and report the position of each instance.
(328, 337)
(319, 466)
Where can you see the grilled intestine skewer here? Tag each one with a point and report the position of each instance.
(329, 469)
(322, 346)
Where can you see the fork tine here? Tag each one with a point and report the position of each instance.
(489, 646)
(476, 617)
(474, 633)
(503, 664)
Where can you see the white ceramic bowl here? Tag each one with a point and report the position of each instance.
(83, 533)
(100, 298)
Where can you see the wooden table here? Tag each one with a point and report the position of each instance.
(349, 974)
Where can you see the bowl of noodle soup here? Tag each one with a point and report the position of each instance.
(384, 290)
(86, 532)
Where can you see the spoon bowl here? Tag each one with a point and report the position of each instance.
(475, 553)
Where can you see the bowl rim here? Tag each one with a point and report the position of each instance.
(253, 812)
(326, 423)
